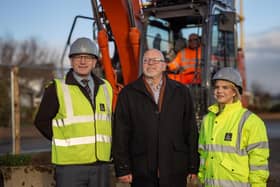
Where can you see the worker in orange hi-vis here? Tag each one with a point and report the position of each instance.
(187, 62)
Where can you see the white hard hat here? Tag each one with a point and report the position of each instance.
(84, 46)
(229, 74)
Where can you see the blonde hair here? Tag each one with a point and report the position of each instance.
(236, 98)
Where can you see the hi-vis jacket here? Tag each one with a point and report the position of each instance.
(79, 129)
(187, 62)
(233, 148)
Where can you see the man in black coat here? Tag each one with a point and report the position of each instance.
(154, 132)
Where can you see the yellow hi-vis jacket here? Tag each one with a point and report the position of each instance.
(233, 148)
(81, 135)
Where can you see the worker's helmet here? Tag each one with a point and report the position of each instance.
(84, 46)
(229, 74)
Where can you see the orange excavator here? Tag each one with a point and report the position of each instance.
(133, 26)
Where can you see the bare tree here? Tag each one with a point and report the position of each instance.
(36, 66)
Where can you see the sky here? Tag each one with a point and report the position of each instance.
(49, 21)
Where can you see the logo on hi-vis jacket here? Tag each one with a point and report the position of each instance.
(102, 107)
(228, 136)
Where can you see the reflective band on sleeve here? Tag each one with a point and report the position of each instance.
(255, 168)
(67, 100)
(82, 140)
(216, 182)
(259, 145)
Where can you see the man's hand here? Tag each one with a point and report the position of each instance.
(192, 180)
(125, 178)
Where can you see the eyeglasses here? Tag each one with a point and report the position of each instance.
(86, 58)
(152, 61)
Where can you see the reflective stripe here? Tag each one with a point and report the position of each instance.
(188, 60)
(107, 96)
(201, 146)
(259, 145)
(202, 161)
(103, 117)
(67, 100)
(262, 167)
(216, 182)
(240, 127)
(177, 66)
(72, 120)
(188, 66)
(82, 140)
(185, 59)
(80, 119)
(223, 149)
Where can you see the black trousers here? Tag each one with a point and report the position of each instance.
(151, 181)
(82, 176)
(154, 181)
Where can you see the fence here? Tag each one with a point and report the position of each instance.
(21, 92)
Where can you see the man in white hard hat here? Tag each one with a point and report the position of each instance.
(75, 114)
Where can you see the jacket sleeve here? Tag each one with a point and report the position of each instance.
(258, 150)
(175, 64)
(47, 111)
(121, 134)
(202, 153)
(191, 132)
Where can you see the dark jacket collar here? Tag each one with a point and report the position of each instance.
(170, 86)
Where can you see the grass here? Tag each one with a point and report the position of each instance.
(15, 160)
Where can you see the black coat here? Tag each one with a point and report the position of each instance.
(146, 141)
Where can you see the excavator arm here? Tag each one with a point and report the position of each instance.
(126, 37)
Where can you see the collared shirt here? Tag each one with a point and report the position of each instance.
(155, 89)
(90, 82)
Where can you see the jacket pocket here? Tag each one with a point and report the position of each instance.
(139, 162)
(179, 158)
(232, 167)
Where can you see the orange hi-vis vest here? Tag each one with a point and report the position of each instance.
(185, 61)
